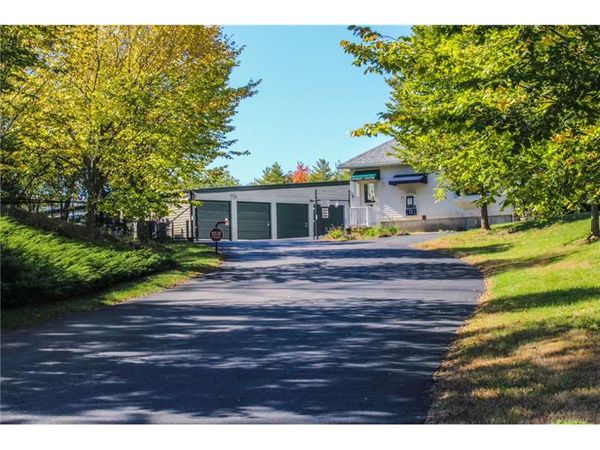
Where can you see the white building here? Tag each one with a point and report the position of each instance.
(386, 191)
(262, 212)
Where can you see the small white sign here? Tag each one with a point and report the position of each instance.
(325, 213)
(325, 203)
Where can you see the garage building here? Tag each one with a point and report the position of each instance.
(264, 211)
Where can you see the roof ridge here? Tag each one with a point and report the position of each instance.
(374, 156)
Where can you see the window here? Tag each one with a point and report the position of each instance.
(369, 192)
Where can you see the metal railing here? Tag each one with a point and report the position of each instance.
(362, 216)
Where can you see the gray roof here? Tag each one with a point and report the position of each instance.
(264, 187)
(377, 156)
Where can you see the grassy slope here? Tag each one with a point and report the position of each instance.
(38, 265)
(64, 270)
(531, 353)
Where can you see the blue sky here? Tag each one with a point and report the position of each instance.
(310, 98)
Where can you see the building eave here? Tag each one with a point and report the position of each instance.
(372, 165)
(264, 187)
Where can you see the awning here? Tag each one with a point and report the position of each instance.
(360, 175)
(408, 179)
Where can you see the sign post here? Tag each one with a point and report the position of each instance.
(216, 234)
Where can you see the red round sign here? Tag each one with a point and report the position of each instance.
(216, 234)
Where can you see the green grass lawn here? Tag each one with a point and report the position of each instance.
(531, 352)
(47, 275)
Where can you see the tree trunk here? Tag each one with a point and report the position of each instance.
(94, 182)
(64, 213)
(595, 222)
(485, 220)
(91, 216)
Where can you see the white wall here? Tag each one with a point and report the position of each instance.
(390, 202)
(301, 195)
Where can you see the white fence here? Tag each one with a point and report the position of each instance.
(362, 216)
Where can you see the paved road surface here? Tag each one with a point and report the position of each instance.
(289, 331)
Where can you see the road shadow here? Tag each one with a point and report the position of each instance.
(343, 337)
(338, 361)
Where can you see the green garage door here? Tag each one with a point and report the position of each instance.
(329, 217)
(254, 220)
(292, 220)
(208, 214)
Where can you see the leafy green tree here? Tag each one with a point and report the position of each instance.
(321, 171)
(273, 174)
(553, 90)
(23, 50)
(511, 110)
(132, 112)
(436, 113)
(341, 174)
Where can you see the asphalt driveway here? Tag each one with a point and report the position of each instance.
(290, 331)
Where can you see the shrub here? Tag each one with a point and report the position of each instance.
(390, 230)
(336, 234)
(38, 265)
(371, 232)
(361, 233)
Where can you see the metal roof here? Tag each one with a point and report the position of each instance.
(261, 187)
(377, 156)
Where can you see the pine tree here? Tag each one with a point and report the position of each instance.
(321, 171)
(272, 175)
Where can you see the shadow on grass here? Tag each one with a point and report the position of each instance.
(496, 266)
(501, 342)
(43, 278)
(500, 265)
(516, 227)
(483, 249)
(554, 379)
(541, 300)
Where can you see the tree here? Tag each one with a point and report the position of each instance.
(341, 174)
(300, 174)
(321, 171)
(133, 113)
(24, 49)
(434, 115)
(273, 175)
(219, 177)
(557, 160)
(499, 110)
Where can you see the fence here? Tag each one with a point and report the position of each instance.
(72, 212)
(165, 229)
(69, 210)
(362, 216)
(178, 226)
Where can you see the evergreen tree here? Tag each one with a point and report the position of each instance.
(273, 175)
(219, 177)
(321, 171)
